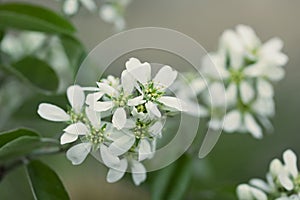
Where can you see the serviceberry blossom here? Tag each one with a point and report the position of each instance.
(120, 120)
(240, 76)
(71, 7)
(282, 181)
(110, 11)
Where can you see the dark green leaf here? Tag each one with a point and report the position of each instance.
(8, 136)
(37, 72)
(45, 183)
(19, 147)
(172, 182)
(1, 35)
(31, 17)
(74, 50)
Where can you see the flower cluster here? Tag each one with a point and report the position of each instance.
(239, 77)
(111, 11)
(121, 118)
(283, 181)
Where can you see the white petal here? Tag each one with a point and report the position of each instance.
(258, 194)
(107, 89)
(217, 94)
(165, 77)
(70, 7)
(285, 181)
(152, 108)
(115, 174)
(138, 172)
(52, 113)
(244, 192)
(102, 106)
(145, 150)
(274, 73)
(173, 102)
(264, 106)
(231, 43)
(92, 98)
(231, 94)
(247, 92)
(136, 101)
(94, 117)
(76, 97)
(156, 128)
(248, 36)
(121, 145)
(68, 138)
(128, 82)
(130, 123)
(77, 129)
(232, 121)
(276, 167)
(108, 13)
(274, 44)
(119, 118)
(108, 158)
(140, 71)
(252, 126)
(132, 63)
(258, 183)
(290, 160)
(78, 153)
(265, 89)
(89, 4)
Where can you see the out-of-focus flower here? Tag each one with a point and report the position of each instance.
(113, 11)
(71, 7)
(22, 44)
(282, 181)
(239, 93)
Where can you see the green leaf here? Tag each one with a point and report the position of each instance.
(19, 147)
(172, 182)
(74, 51)
(2, 33)
(45, 183)
(35, 18)
(8, 136)
(37, 72)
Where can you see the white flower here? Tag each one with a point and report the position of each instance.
(152, 91)
(136, 168)
(282, 180)
(113, 12)
(246, 192)
(70, 7)
(26, 43)
(76, 98)
(144, 132)
(96, 134)
(246, 68)
(118, 98)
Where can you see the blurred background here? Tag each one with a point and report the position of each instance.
(236, 158)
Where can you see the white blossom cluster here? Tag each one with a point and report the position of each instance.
(121, 119)
(239, 94)
(110, 11)
(282, 181)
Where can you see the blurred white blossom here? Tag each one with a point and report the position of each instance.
(110, 11)
(239, 94)
(282, 181)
